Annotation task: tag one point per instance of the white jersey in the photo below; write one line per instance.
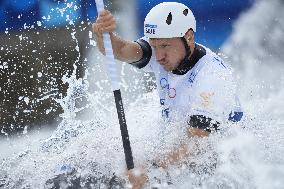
(207, 89)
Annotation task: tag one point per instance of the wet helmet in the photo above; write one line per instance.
(168, 20)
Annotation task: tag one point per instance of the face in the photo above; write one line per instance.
(169, 52)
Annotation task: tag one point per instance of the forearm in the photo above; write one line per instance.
(174, 157)
(200, 126)
(125, 51)
(179, 155)
(182, 152)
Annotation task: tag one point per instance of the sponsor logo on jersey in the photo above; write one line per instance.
(206, 98)
(162, 101)
(192, 77)
(165, 112)
(219, 60)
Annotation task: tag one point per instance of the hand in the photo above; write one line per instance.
(137, 177)
(104, 23)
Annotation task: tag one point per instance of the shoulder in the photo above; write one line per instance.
(214, 65)
(214, 72)
(147, 53)
(213, 60)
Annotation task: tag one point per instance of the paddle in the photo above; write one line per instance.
(117, 93)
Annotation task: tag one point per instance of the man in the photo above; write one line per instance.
(193, 82)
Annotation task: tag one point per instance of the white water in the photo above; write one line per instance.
(248, 155)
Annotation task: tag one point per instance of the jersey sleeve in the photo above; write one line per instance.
(214, 91)
(147, 61)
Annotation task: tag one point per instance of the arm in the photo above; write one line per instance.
(199, 126)
(138, 176)
(124, 50)
(181, 153)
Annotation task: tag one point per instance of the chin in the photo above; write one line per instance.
(168, 69)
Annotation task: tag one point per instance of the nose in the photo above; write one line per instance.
(160, 55)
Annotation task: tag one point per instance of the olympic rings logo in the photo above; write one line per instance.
(164, 83)
(171, 91)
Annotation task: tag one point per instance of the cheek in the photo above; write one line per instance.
(176, 55)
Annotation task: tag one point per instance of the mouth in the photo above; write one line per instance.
(163, 63)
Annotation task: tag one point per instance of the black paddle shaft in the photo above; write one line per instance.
(123, 129)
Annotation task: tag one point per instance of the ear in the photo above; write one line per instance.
(189, 35)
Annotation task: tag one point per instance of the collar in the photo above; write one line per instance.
(188, 63)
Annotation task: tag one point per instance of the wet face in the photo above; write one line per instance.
(169, 52)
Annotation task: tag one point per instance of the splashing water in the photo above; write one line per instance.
(244, 155)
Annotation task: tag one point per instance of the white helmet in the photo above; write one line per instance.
(168, 20)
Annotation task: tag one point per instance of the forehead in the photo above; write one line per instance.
(160, 41)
